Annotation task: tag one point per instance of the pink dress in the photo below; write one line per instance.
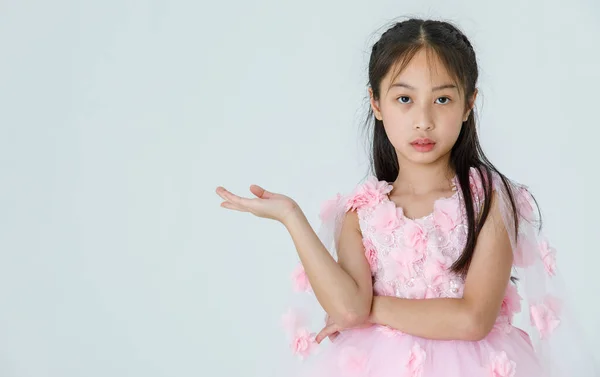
(410, 258)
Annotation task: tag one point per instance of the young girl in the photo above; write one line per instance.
(422, 267)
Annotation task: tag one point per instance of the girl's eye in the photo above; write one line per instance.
(402, 98)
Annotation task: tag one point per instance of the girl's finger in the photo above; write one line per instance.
(325, 332)
(232, 198)
(232, 206)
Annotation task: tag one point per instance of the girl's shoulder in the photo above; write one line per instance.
(513, 197)
(367, 193)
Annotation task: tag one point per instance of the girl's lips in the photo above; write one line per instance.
(423, 145)
(423, 141)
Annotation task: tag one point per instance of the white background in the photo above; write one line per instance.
(120, 118)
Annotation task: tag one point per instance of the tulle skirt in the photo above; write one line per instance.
(380, 351)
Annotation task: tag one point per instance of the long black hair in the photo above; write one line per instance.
(398, 45)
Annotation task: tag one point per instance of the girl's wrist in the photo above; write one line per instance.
(376, 308)
(293, 217)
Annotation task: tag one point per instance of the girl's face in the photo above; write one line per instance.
(422, 110)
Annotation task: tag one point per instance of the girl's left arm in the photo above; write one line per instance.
(468, 318)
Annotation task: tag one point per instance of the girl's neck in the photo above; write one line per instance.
(419, 179)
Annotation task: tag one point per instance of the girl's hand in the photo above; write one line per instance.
(327, 331)
(332, 330)
(266, 204)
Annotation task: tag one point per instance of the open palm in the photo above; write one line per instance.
(266, 204)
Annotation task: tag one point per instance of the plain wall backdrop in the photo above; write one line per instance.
(119, 119)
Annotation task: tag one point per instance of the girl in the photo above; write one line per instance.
(422, 267)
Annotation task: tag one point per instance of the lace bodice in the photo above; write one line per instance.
(411, 258)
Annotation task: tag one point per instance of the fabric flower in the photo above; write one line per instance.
(303, 343)
(300, 279)
(328, 208)
(502, 366)
(403, 259)
(415, 237)
(382, 288)
(416, 359)
(437, 264)
(370, 254)
(544, 316)
(387, 217)
(511, 303)
(352, 360)
(446, 214)
(436, 272)
(502, 325)
(548, 255)
(389, 331)
(368, 194)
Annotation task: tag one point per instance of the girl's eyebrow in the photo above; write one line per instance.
(404, 85)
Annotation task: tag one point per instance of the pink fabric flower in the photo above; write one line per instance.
(502, 325)
(548, 257)
(511, 303)
(446, 214)
(370, 254)
(300, 279)
(368, 194)
(389, 331)
(382, 288)
(328, 208)
(303, 343)
(352, 360)
(545, 316)
(387, 217)
(502, 366)
(437, 264)
(416, 359)
(436, 272)
(415, 237)
(403, 267)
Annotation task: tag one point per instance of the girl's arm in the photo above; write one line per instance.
(343, 288)
(470, 317)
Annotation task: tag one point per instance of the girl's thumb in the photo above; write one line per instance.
(260, 192)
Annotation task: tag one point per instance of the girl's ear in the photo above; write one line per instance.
(375, 105)
(471, 104)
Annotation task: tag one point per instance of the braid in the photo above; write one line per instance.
(459, 37)
(387, 35)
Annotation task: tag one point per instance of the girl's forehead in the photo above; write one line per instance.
(422, 72)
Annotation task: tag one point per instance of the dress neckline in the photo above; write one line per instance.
(454, 196)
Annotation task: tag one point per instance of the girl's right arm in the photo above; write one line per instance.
(343, 288)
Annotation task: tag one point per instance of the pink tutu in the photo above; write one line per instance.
(380, 351)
